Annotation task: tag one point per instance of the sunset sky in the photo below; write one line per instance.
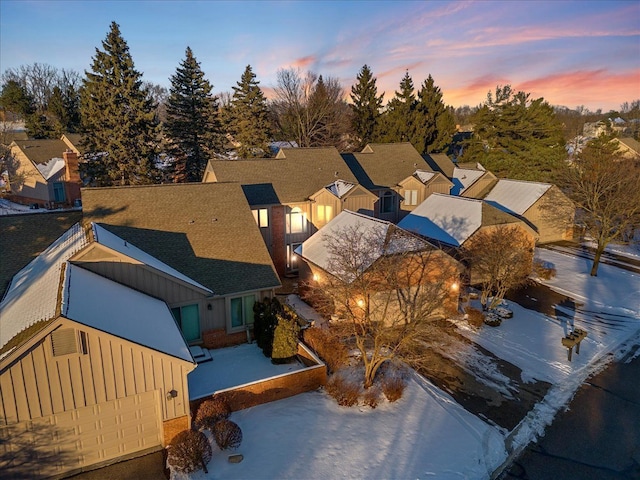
(571, 53)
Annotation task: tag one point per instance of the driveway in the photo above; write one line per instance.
(148, 467)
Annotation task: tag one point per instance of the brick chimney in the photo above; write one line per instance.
(72, 175)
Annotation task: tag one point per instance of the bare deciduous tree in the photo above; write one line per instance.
(310, 109)
(499, 259)
(386, 286)
(605, 188)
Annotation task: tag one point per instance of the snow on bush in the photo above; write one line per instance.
(227, 434)
(189, 451)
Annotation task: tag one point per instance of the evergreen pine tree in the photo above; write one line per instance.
(430, 116)
(64, 111)
(399, 119)
(366, 105)
(249, 117)
(516, 137)
(118, 118)
(192, 125)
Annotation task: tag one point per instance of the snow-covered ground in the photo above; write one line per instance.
(11, 208)
(427, 434)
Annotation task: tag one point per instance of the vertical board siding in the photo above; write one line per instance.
(39, 384)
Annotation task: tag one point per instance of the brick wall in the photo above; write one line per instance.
(174, 426)
(278, 244)
(219, 338)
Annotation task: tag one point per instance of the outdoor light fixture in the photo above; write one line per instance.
(360, 302)
(172, 394)
(455, 286)
(315, 277)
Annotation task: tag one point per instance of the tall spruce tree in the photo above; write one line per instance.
(366, 105)
(516, 137)
(249, 117)
(118, 118)
(434, 123)
(399, 119)
(192, 126)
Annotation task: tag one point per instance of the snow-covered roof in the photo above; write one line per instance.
(114, 242)
(463, 178)
(445, 218)
(100, 303)
(340, 188)
(377, 238)
(32, 295)
(516, 196)
(50, 168)
(423, 175)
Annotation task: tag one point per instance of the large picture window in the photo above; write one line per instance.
(188, 318)
(296, 221)
(410, 197)
(242, 311)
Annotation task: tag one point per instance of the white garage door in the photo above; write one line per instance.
(71, 440)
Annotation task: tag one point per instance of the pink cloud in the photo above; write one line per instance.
(303, 63)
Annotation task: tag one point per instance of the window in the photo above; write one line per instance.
(386, 202)
(262, 217)
(296, 221)
(58, 192)
(410, 197)
(325, 213)
(242, 311)
(188, 318)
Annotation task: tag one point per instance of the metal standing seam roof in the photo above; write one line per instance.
(516, 196)
(391, 240)
(291, 177)
(33, 293)
(110, 307)
(205, 231)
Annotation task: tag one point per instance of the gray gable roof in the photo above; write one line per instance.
(204, 230)
(291, 177)
(384, 165)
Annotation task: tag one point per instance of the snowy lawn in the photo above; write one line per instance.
(425, 434)
(232, 367)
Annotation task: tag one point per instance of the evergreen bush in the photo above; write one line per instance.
(189, 451)
(285, 339)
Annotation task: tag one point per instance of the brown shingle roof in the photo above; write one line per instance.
(440, 162)
(382, 165)
(204, 230)
(294, 175)
(41, 151)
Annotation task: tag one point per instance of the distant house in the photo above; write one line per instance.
(91, 370)
(46, 173)
(292, 195)
(397, 174)
(216, 262)
(628, 147)
(451, 222)
(375, 241)
(542, 205)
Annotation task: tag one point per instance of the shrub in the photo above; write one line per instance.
(544, 270)
(285, 339)
(474, 317)
(227, 434)
(344, 392)
(211, 411)
(371, 397)
(327, 346)
(189, 451)
(393, 386)
(265, 321)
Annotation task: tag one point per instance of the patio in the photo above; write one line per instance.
(234, 367)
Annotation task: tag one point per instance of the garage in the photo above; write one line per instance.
(77, 439)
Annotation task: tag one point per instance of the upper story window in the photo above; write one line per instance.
(325, 213)
(296, 221)
(410, 197)
(386, 202)
(262, 217)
